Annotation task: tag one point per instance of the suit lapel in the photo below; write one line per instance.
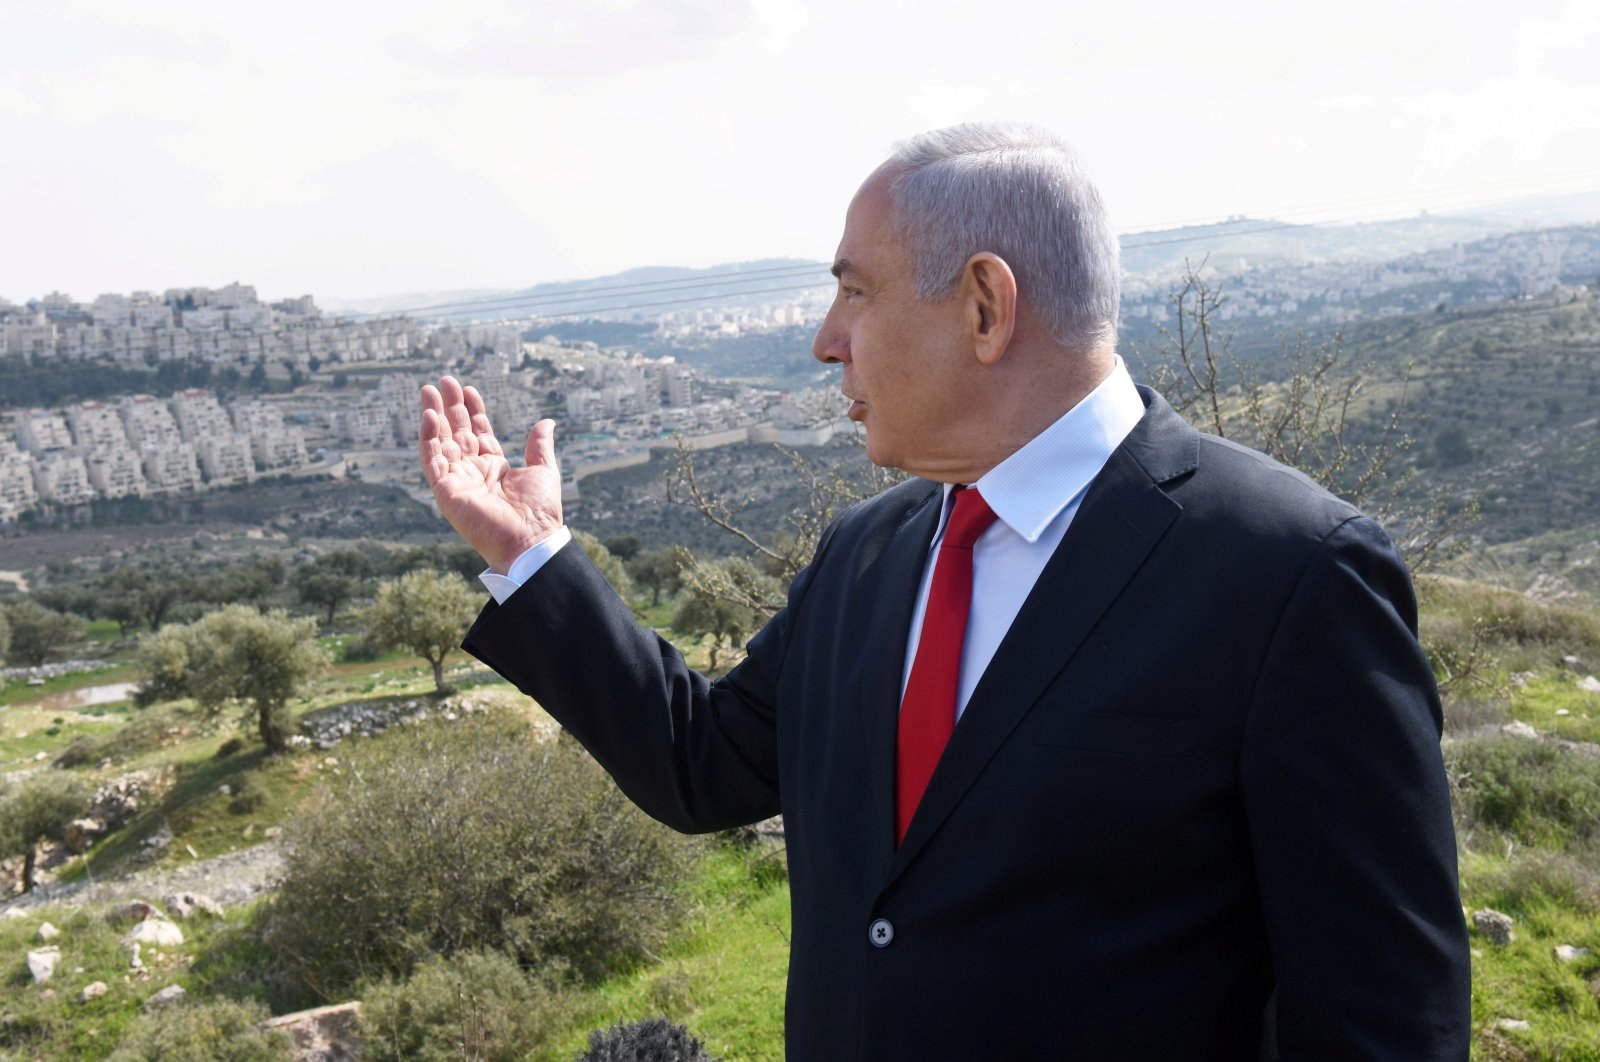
(1123, 516)
(894, 579)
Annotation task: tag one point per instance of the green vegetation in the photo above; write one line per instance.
(37, 810)
(424, 612)
(469, 836)
(473, 1005)
(236, 654)
(218, 1031)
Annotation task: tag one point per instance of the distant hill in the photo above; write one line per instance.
(1231, 245)
(651, 289)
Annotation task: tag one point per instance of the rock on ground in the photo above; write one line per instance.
(1494, 925)
(326, 1034)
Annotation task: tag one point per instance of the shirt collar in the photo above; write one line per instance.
(1030, 488)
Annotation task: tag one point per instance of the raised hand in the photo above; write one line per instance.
(500, 511)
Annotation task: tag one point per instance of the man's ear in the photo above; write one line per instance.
(990, 291)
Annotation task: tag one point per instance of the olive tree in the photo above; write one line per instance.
(725, 602)
(39, 633)
(237, 654)
(423, 612)
(39, 809)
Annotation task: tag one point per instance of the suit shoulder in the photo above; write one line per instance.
(1247, 481)
(888, 508)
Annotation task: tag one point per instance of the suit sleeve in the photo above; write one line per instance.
(1350, 818)
(694, 754)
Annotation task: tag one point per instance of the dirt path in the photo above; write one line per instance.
(229, 879)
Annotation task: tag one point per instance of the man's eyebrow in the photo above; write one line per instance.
(840, 267)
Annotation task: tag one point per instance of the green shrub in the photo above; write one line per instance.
(1452, 608)
(79, 751)
(653, 1040)
(473, 1006)
(217, 1031)
(469, 836)
(229, 747)
(1539, 792)
(1531, 875)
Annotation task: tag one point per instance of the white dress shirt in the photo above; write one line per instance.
(1035, 493)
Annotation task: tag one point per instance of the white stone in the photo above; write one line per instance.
(1512, 1023)
(1495, 926)
(1562, 711)
(1568, 953)
(169, 994)
(47, 933)
(93, 990)
(1589, 684)
(134, 961)
(157, 932)
(13, 912)
(184, 905)
(42, 963)
(1521, 730)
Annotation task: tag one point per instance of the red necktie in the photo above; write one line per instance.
(928, 710)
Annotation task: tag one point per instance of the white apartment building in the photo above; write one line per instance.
(278, 448)
(365, 425)
(39, 430)
(225, 459)
(199, 415)
(97, 427)
(116, 472)
(30, 336)
(62, 479)
(149, 423)
(170, 468)
(254, 417)
(17, 493)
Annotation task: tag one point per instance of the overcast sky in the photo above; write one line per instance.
(349, 149)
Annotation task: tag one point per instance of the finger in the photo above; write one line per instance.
(455, 412)
(430, 443)
(541, 448)
(478, 413)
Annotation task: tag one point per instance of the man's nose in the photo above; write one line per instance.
(832, 344)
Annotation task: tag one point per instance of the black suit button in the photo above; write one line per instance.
(881, 932)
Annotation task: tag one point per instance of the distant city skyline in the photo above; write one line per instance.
(363, 150)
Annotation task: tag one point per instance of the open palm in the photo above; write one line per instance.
(500, 511)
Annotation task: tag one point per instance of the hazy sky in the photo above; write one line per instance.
(348, 149)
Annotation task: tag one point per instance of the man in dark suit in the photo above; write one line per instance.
(1177, 772)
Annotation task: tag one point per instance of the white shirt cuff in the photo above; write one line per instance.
(523, 568)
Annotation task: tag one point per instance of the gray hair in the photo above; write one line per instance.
(1021, 193)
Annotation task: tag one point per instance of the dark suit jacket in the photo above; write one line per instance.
(1202, 767)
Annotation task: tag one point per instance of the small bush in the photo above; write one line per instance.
(247, 799)
(1539, 792)
(1570, 879)
(473, 1006)
(79, 751)
(653, 1040)
(1452, 608)
(469, 836)
(218, 1031)
(229, 747)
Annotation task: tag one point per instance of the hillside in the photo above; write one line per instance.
(1521, 730)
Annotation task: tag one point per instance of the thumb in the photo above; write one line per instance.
(541, 449)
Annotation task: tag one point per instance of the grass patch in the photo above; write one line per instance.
(1552, 703)
(17, 692)
(1524, 980)
(723, 975)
